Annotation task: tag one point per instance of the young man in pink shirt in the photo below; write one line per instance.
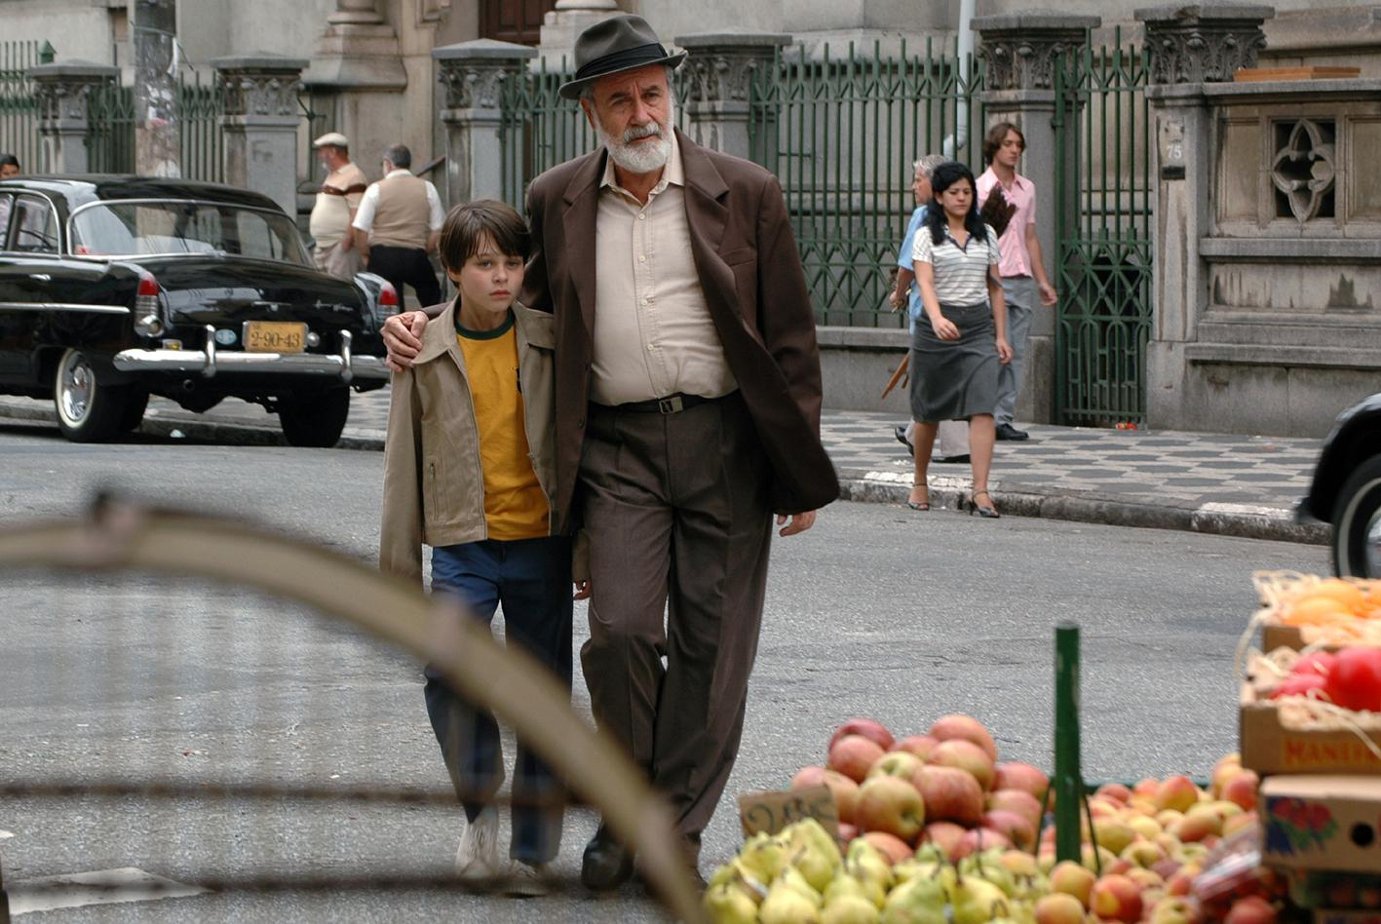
(1022, 267)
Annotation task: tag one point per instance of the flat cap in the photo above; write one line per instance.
(335, 139)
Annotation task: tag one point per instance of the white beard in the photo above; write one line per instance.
(640, 157)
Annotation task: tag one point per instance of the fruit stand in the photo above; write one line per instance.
(935, 827)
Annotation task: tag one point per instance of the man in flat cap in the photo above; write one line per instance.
(688, 411)
(335, 207)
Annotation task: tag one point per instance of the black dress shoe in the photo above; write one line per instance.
(1008, 432)
(607, 864)
(953, 460)
(900, 433)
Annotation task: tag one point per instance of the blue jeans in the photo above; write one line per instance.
(531, 580)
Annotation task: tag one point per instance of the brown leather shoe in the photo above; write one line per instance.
(607, 864)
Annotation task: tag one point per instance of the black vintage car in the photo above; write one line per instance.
(113, 288)
(1346, 490)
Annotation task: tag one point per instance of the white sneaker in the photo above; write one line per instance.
(478, 854)
(528, 880)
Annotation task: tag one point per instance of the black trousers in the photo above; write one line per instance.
(406, 265)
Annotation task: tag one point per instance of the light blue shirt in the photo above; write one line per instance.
(914, 308)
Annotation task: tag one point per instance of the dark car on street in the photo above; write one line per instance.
(1346, 490)
(115, 288)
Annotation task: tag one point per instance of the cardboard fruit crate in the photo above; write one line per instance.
(1269, 745)
(1321, 822)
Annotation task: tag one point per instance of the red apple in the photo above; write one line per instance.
(965, 727)
(920, 745)
(950, 794)
(891, 846)
(871, 729)
(1177, 793)
(1241, 787)
(1114, 897)
(890, 804)
(896, 763)
(964, 754)
(978, 839)
(1073, 878)
(844, 790)
(1253, 909)
(1017, 829)
(1015, 800)
(1059, 908)
(847, 832)
(944, 834)
(1017, 775)
(852, 755)
(1117, 792)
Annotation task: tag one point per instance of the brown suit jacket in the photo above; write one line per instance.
(751, 274)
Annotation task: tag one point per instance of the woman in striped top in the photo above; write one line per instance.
(955, 357)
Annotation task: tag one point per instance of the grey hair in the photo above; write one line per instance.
(926, 165)
(587, 92)
(398, 155)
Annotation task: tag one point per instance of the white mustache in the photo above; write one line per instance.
(650, 130)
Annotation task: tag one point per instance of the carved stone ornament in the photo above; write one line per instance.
(474, 84)
(1304, 169)
(723, 76)
(64, 91)
(1025, 61)
(261, 93)
(1203, 44)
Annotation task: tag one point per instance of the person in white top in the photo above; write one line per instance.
(336, 202)
(398, 224)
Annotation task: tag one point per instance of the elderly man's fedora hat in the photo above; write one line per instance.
(610, 46)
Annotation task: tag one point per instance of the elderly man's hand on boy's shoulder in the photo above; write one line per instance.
(402, 335)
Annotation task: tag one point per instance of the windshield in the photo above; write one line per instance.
(137, 228)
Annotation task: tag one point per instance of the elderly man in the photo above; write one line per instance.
(400, 217)
(336, 203)
(688, 403)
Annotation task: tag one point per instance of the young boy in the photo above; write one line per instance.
(469, 470)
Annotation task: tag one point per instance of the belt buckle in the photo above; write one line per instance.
(672, 405)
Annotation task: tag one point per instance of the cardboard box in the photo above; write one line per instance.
(1326, 822)
(1275, 636)
(1268, 747)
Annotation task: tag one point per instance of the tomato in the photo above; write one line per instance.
(1355, 680)
(1316, 662)
(1297, 685)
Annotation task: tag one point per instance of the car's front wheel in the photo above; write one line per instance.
(1357, 523)
(88, 412)
(315, 420)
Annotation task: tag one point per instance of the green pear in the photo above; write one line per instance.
(990, 870)
(977, 901)
(931, 852)
(867, 864)
(785, 905)
(814, 853)
(762, 857)
(793, 879)
(849, 909)
(729, 904)
(843, 884)
(918, 901)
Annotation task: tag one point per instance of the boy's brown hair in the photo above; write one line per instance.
(468, 226)
(992, 142)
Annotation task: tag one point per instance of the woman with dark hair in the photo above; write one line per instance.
(957, 355)
(9, 166)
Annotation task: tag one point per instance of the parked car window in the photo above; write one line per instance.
(35, 229)
(174, 227)
(6, 204)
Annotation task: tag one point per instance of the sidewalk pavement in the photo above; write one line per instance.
(1206, 482)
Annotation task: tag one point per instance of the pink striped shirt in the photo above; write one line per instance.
(1016, 261)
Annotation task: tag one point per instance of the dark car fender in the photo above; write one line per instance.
(1355, 437)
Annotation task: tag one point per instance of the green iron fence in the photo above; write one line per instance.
(1104, 202)
(841, 133)
(200, 105)
(19, 114)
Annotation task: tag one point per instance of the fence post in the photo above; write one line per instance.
(64, 100)
(261, 123)
(473, 74)
(1205, 44)
(1022, 52)
(723, 66)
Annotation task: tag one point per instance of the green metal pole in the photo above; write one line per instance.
(1069, 775)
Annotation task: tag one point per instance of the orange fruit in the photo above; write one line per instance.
(1345, 592)
(1314, 611)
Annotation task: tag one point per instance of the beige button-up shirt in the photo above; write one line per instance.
(653, 333)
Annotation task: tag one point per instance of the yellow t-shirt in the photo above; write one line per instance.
(514, 505)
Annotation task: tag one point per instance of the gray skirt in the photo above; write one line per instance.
(954, 379)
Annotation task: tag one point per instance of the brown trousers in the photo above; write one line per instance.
(678, 514)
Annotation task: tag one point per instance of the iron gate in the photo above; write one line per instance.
(1104, 196)
(19, 114)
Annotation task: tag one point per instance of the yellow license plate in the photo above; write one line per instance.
(275, 337)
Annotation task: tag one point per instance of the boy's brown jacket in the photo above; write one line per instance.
(433, 482)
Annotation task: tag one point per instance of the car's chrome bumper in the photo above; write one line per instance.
(210, 361)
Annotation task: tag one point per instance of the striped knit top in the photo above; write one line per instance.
(960, 272)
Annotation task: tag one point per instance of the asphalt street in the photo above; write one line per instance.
(878, 611)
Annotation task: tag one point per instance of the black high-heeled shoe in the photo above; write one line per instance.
(986, 511)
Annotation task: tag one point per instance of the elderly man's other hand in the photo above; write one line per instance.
(402, 335)
(800, 522)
